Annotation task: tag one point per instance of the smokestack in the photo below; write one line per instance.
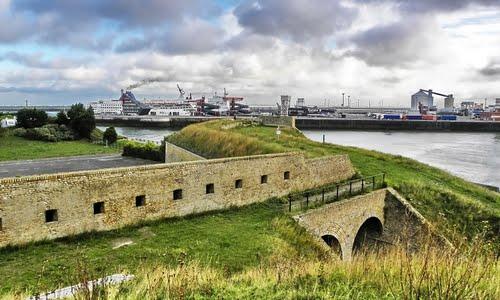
(122, 91)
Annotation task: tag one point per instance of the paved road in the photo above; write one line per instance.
(68, 164)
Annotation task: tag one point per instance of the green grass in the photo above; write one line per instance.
(230, 241)
(17, 148)
(451, 203)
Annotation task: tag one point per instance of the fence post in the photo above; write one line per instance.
(289, 203)
(337, 192)
(362, 185)
(323, 196)
(350, 188)
(373, 182)
(383, 178)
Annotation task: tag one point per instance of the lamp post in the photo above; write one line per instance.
(343, 99)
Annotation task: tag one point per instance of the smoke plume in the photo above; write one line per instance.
(145, 82)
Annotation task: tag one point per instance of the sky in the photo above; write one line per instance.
(376, 51)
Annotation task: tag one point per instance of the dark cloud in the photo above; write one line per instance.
(426, 6)
(397, 44)
(188, 37)
(492, 69)
(300, 20)
(126, 12)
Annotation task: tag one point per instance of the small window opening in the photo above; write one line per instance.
(1, 225)
(263, 179)
(210, 188)
(98, 208)
(178, 194)
(140, 200)
(51, 215)
(286, 175)
(238, 184)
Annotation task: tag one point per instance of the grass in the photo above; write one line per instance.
(18, 148)
(229, 241)
(451, 203)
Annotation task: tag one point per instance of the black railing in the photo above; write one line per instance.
(335, 192)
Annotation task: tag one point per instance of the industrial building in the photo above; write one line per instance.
(422, 97)
(285, 105)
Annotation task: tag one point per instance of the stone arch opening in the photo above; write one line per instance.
(333, 243)
(367, 235)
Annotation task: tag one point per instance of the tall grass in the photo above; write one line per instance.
(391, 274)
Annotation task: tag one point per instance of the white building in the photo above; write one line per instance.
(8, 122)
(114, 107)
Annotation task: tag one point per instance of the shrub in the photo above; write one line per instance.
(31, 118)
(148, 150)
(62, 118)
(110, 135)
(49, 133)
(82, 120)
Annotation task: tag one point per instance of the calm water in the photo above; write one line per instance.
(472, 156)
(149, 134)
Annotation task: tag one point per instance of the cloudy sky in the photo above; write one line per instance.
(63, 51)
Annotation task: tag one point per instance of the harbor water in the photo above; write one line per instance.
(472, 156)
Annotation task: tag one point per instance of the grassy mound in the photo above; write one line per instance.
(451, 203)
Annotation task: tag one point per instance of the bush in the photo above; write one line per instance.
(82, 120)
(110, 135)
(2, 132)
(148, 150)
(49, 133)
(31, 118)
(62, 118)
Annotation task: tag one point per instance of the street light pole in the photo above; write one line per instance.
(343, 99)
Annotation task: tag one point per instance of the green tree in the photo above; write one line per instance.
(82, 120)
(62, 118)
(31, 118)
(110, 135)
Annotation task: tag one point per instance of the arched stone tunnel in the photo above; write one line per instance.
(364, 222)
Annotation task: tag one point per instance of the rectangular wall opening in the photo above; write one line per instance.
(178, 194)
(140, 200)
(210, 189)
(51, 215)
(286, 175)
(238, 184)
(263, 179)
(98, 208)
(1, 225)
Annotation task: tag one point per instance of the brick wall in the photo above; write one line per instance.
(134, 194)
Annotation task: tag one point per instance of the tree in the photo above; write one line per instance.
(62, 118)
(31, 118)
(82, 120)
(110, 135)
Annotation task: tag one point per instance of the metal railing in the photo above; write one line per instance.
(335, 192)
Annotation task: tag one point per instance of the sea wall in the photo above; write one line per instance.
(50, 206)
(410, 125)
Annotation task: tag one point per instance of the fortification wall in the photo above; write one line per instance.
(175, 153)
(277, 121)
(50, 206)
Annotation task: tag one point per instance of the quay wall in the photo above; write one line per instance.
(42, 207)
(409, 125)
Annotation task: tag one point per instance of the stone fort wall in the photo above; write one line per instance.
(51, 206)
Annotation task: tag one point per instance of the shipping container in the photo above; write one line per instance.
(448, 117)
(392, 117)
(429, 117)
